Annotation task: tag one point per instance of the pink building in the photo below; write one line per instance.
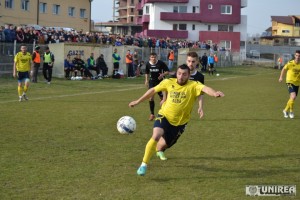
(213, 21)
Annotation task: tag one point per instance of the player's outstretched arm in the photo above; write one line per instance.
(145, 96)
(212, 92)
(282, 74)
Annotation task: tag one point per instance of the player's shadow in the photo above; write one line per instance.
(245, 119)
(222, 167)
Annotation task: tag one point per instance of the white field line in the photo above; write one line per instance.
(118, 90)
(78, 94)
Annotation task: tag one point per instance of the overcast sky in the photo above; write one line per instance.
(259, 12)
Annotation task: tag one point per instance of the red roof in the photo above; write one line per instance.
(283, 19)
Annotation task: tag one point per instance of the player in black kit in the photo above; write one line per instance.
(155, 72)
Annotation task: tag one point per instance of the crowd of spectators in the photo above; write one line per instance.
(45, 35)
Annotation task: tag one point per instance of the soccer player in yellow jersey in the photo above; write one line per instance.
(292, 70)
(175, 112)
(22, 68)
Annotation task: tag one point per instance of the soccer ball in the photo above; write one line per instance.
(217, 74)
(126, 125)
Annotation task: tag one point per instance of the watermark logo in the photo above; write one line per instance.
(271, 190)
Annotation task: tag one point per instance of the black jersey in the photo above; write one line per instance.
(195, 77)
(154, 70)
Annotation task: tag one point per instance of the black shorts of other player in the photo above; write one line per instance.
(153, 84)
(171, 133)
(292, 88)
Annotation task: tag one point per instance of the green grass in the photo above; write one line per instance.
(63, 142)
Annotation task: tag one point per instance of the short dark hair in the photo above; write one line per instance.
(153, 54)
(297, 51)
(192, 54)
(184, 67)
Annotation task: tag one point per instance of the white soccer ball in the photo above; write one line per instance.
(126, 125)
(217, 74)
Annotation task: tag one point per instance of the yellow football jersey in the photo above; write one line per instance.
(23, 62)
(180, 101)
(293, 73)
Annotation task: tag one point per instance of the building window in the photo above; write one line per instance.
(175, 27)
(71, 11)
(56, 9)
(226, 28)
(285, 31)
(82, 13)
(9, 3)
(180, 9)
(147, 10)
(210, 6)
(25, 5)
(226, 9)
(226, 44)
(182, 27)
(131, 19)
(43, 7)
(209, 27)
(193, 27)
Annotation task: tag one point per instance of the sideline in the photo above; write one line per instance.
(73, 95)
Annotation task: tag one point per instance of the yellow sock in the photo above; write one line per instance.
(150, 150)
(25, 88)
(20, 90)
(291, 104)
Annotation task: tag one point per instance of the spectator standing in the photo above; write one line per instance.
(48, 58)
(20, 35)
(135, 62)
(216, 59)
(129, 64)
(22, 67)
(10, 37)
(170, 60)
(36, 59)
(2, 38)
(204, 60)
(116, 61)
(279, 62)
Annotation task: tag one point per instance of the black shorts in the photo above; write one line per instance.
(22, 76)
(153, 84)
(171, 133)
(292, 88)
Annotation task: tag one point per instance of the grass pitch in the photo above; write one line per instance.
(63, 142)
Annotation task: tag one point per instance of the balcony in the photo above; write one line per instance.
(139, 6)
(166, 1)
(138, 21)
(145, 18)
(180, 16)
(244, 3)
(166, 33)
